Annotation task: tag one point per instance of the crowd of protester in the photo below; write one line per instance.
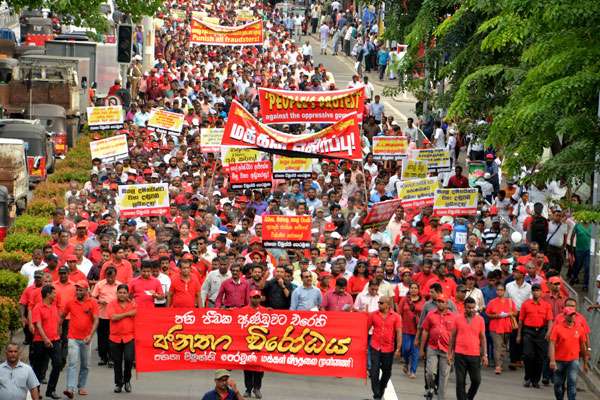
(449, 290)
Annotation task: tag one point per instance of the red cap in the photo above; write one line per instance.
(83, 224)
(133, 256)
(447, 227)
(71, 257)
(441, 297)
(489, 156)
(324, 274)
(329, 227)
(255, 292)
(187, 257)
(449, 256)
(554, 279)
(505, 261)
(521, 269)
(569, 311)
(405, 271)
(82, 284)
(242, 199)
(255, 240)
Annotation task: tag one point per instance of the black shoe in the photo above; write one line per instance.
(102, 363)
(257, 393)
(53, 395)
(527, 384)
(247, 394)
(536, 385)
(128, 387)
(44, 381)
(546, 382)
(110, 364)
(118, 389)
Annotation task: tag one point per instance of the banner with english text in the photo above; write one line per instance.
(259, 339)
(340, 140)
(203, 32)
(289, 106)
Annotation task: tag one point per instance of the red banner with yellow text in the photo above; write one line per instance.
(292, 342)
(286, 231)
(250, 34)
(288, 106)
(340, 140)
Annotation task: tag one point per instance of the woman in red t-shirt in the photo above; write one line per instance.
(410, 308)
(500, 310)
(358, 280)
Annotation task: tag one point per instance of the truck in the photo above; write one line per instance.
(104, 68)
(42, 79)
(13, 174)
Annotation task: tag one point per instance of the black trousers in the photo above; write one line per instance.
(535, 347)
(515, 349)
(103, 332)
(253, 380)
(122, 356)
(40, 355)
(464, 365)
(556, 257)
(64, 343)
(314, 22)
(380, 362)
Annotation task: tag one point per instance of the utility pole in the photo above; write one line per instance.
(595, 255)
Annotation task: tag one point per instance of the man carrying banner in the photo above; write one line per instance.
(253, 379)
(387, 328)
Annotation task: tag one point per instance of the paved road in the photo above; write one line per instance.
(192, 384)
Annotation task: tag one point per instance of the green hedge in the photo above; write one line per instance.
(42, 208)
(12, 284)
(26, 242)
(13, 260)
(70, 174)
(10, 319)
(28, 224)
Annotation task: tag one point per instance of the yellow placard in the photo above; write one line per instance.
(179, 15)
(143, 200)
(244, 15)
(417, 192)
(291, 167)
(166, 121)
(210, 139)
(437, 159)
(234, 155)
(455, 201)
(110, 149)
(106, 117)
(413, 169)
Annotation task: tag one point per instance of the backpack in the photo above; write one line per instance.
(538, 231)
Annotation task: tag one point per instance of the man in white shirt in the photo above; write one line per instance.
(518, 290)
(439, 138)
(165, 283)
(307, 51)
(83, 263)
(369, 89)
(212, 283)
(368, 301)
(37, 263)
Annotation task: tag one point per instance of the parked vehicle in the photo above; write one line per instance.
(38, 30)
(38, 148)
(13, 174)
(54, 119)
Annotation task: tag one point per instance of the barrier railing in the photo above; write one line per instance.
(593, 319)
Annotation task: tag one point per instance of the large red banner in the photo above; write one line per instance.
(292, 342)
(288, 106)
(251, 175)
(250, 34)
(286, 231)
(340, 140)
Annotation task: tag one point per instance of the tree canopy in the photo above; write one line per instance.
(87, 12)
(531, 68)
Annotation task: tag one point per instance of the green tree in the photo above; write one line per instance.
(87, 12)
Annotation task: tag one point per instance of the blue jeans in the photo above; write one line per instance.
(566, 371)
(582, 260)
(79, 353)
(410, 353)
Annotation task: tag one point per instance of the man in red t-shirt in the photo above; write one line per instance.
(84, 321)
(387, 327)
(185, 289)
(567, 345)
(436, 331)
(468, 350)
(46, 344)
(145, 288)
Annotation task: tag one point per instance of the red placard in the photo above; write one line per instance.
(340, 140)
(381, 213)
(287, 106)
(287, 231)
(251, 175)
(292, 342)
